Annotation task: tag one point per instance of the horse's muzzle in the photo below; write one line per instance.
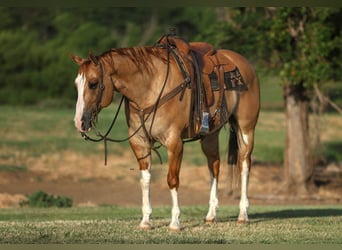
(86, 120)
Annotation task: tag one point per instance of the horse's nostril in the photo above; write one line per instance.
(86, 125)
(83, 126)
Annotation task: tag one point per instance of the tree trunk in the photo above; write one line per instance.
(298, 166)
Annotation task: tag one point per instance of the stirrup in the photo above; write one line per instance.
(205, 123)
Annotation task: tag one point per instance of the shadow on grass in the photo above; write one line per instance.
(288, 214)
(298, 213)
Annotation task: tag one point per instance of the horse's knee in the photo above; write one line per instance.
(172, 181)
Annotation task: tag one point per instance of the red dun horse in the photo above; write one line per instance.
(157, 85)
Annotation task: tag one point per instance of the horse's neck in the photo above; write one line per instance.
(135, 81)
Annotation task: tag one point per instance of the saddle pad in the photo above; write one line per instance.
(233, 80)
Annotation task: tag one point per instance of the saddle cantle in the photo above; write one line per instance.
(214, 72)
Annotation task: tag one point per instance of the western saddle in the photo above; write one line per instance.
(213, 72)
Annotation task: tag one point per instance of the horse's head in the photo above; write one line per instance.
(94, 89)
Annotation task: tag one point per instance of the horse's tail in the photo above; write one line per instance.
(233, 170)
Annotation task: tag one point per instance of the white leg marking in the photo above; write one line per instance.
(213, 200)
(146, 203)
(80, 82)
(245, 138)
(175, 225)
(244, 203)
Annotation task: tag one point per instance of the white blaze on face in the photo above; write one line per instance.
(80, 82)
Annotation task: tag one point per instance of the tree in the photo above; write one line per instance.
(304, 45)
(35, 43)
(305, 42)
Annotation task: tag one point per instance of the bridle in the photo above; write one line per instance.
(100, 136)
(105, 137)
(101, 87)
(144, 113)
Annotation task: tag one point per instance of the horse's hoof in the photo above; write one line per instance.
(242, 221)
(145, 226)
(210, 221)
(174, 228)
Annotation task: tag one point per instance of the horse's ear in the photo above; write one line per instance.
(93, 58)
(76, 59)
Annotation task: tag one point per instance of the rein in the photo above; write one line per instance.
(104, 137)
(149, 110)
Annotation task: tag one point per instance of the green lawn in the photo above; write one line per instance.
(268, 224)
(38, 130)
(271, 93)
(34, 131)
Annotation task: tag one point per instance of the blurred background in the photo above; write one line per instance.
(296, 53)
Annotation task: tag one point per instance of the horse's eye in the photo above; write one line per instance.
(93, 85)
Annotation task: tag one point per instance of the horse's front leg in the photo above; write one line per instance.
(142, 152)
(210, 147)
(145, 180)
(175, 154)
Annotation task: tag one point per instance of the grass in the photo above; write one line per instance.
(12, 168)
(271, 93)
(32, 132)
(39, 130)
(35, 131)
(268, 224)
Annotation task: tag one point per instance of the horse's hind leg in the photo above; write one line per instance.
(245, 141)
(210, 147)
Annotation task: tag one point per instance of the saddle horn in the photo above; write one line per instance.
(93, 58)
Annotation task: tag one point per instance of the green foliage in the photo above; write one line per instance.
(41, 199)
(306, 44)
(35, 42)
(239, 29)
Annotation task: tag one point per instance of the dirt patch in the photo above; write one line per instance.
(11, 200)
(88, 182)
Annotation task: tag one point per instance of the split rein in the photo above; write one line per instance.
(152, 109)
(104, 137)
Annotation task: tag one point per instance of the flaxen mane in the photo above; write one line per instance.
(140, 56)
